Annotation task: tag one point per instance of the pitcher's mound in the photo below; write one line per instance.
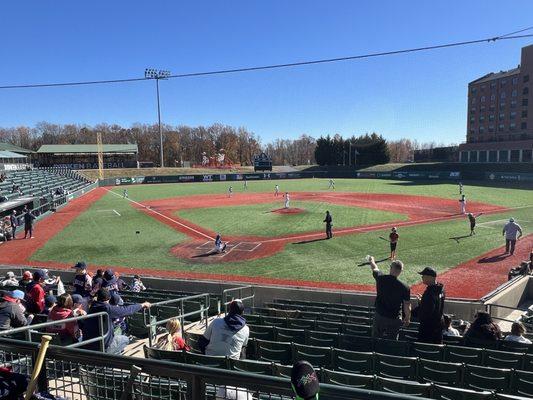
(289, 210)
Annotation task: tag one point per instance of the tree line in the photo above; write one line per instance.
(185, 143)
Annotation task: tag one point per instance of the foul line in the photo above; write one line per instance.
(116, 212)
(163, 215)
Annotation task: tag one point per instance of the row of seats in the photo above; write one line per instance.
(413, 375)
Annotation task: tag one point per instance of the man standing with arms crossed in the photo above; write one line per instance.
(430, 308)
(393, 298)
(512, 232)
(329, 223)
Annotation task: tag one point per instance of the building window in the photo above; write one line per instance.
(473, 156)
(482, 108)
(525, 102)
(491, 128)
(492, 107)
(482, 99)
(514, 93)
(524, 113)
(472, 119)
(501, 117)
(491, 117)
(515, 80)
(504, 155)
(512, 126)
(481, 129)
(512, 115)
(472, 111)
(515, 155)
(493, 155)
(513, 103)
(501, 127)
(481, 118)
(473, 91)
(483, 87)
(483, 156)
(472, 131)
(493, 97)
(503, 82)
(502, 105)
(523, 125)
(473, 100)
(526, 155)
(526, 78)
(525, 91)
(502, 95)
(493, 84)
(464, 156)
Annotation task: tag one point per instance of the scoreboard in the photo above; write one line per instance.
(262, 162)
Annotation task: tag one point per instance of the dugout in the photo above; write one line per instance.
(85, 156)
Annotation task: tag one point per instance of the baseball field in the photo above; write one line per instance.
(168, 230)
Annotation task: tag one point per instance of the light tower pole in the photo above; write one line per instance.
(151, 73)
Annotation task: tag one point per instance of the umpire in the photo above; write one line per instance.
(329, 223)
(430, 308)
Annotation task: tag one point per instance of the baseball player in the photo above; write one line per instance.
(220, 246)
(125, 194)
(230, 191)
(329, 223)
(331, 184)
(287, 200)
(460, 187)
(393, 238)
(462, 203)
(276, 190)
(245, 185)
(472, 219)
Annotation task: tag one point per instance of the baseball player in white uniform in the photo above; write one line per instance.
(287, 200)
(331, 184)
(230, 191)
(462, 203)
(276, 190)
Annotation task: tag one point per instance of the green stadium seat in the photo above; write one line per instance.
(291, 335)
(353, 361)
(501, 396)
(485, 378)
(308, 315)
(275, 321)
(207, 361)
(395, 366)
(483, 344)
(402, 387)
(158, 354)
(356, 343)
(467, 355)
(317, 356)
(409, 335)
(254, 319)
(301, 324)
(103, 383)
(442, 373)
(517, 347)
(251, 366)
(392, 347)
(262, 332)
(452, 393)
(331, 317)
(283, 371)
(192, 342)
(427, 351)
(502, 359)
(322, 339)
(326, 326)
(347, 379)
(522, 383)
(527, 362)
(278, 352)
(353, 319)
(357, 329)
(453, 340)
(160, 388)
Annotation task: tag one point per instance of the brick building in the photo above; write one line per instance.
(500, 115)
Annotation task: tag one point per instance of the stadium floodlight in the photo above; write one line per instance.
(157, 74)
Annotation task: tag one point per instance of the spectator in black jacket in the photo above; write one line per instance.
(114, 344)
(28, 222)
(11, 314)
(483, 328)
(430, 308)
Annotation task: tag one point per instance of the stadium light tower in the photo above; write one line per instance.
(151, 73)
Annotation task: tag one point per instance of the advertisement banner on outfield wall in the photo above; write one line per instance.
(509, 177)
(411, 175)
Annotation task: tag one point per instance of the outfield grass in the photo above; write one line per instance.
(259, 220)
(99, 236)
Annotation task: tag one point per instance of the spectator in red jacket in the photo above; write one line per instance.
(68, 332)
(35, 293)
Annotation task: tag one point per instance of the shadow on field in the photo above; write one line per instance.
(492, 259)
(310, 241)
(458, 238)
(377, 262)
(211, 253)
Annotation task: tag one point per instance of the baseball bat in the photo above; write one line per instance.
(382, 238)
(45, 341)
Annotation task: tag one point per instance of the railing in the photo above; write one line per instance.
(152, 323)
(28, 330)
(229, 295)
(82, 374)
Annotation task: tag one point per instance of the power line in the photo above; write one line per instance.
(508, 36)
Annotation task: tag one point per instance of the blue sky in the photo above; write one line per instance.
(421, 96)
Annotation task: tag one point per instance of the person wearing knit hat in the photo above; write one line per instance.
(304, 381)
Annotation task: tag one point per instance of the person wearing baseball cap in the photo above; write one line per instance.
(82, 282)
(304, 381)
(26, 279)
(9, 280)
(35, 292)
(430, 308)
(11, 312)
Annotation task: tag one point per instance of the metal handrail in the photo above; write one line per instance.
(27, 330)
(203, 311)
(228, 293)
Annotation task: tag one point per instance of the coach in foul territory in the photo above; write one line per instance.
(329, 223)
(393, 297)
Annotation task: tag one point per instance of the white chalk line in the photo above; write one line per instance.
(116, 212)
(164, 216)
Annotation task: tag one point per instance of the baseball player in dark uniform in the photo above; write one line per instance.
(329, 223)
(28, 222)
(472, 219)
(393, 239)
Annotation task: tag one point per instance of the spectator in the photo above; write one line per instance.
(26, 280)
(393, 297)
(82, 282)
(523, 269)
(430, 308)
(98, 279)
(29, 217)
(110, 281)
(517, 333)
(121, 284)
(35, 292)
(11, 314)
(304, 381)
(50, 302)
(13, 220)
(512, 232)
(483, 328)
(448, 329)
(68, 332)
(77, 305)
(114, 344)
(173, 340)
(10, 280)
(226, 336)
(137, 285)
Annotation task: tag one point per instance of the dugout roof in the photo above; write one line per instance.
(14, 149)
(87, 149)
(10, 154)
